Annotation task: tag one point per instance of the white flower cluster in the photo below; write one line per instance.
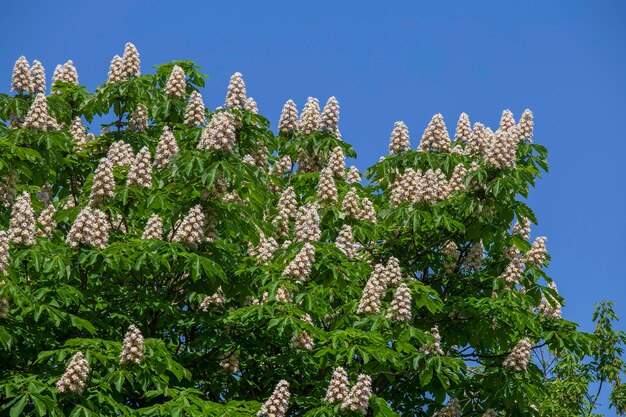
(300, 266)
(5, 256)
(457, 180)
(373, 291)
(337, 162)
(288, 122)
(326, 188)
(46, 221)
(368, 212)
(463, 129)
(251, 106)
(476, 143)
(338, 387)
(435, 347)
(195, 112)
(537, 254)
(116, 70)
(353, 176)
(91, 228)
(131, 65)
(490, 413)
(287, 207)
(103, 184)
(139, 119)
(519, 357)
(417, 187)
(4, 306)
(140, 173)
(65, 73)
(154, 228)
(351, 204)
(399, 141)
(522, 228)
(190, 229)
(451, 409)
(525, 127)
(37, 117)
(435, 137)
(75, 377)
(345, 242)
(217, 299)
(78, 132)
(22, 225)
(176, 85)
(307, 226)
(330, 116)
(474, 258)
(120, 153)
(500, 148)
(229, 362)
(281, 165)
(37, 78)
(21, 81)
(302, 340)
(506, 121)
(220, 133)
(236, 93)
(359, 396)
(166, 148)
(401, 305)
(132, 347)
(550, 308)
(310, 119)
(513, 271)
(265, 249)
(277, 404)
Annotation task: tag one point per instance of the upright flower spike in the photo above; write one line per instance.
(500, 148)
(519, 357)
(277, 404)
(337, 162)
(37, 78)
(120, 153)
(4, 252)
(359, 396)
(229, 362)
(46, 221)
(70, 75)
(300, 266)
(401, 305)
(307, 227)
(522, 228)
(190, 230)
(288, 122)
(550, 308)
(373, 292)
(506, 121)
(474, 258)
(399, 141)
(326, 188)
(338, 387)
(176, 86)
(91, 227)
(350, 204)
(436, 137)
(103, 184)
(457, 180)
(463, 129)
(220, 134)
(140, 173)
(195, 113)
(345, 241)
(476, 144)
(37, 117)
(75, 377)
(251, 106)
(526, 126)
(217, 299)
(22, 225)
(131, 65)
(353, 176)
(435, 347)
(116, 70)
(132, 347)
(154, 228)
(78, 132)
(368, 212)
(236, 93)
(393, 272)
(537, 254)
(139, 119)
(330, 116)
(310, 117)
(302, 340)
(21, 81)
(166, 148)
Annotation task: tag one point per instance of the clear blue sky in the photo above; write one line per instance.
(388, 61)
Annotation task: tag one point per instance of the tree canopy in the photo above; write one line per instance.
(178, 261)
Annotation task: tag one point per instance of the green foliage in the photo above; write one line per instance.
(62, 300)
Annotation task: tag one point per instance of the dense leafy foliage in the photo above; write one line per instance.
(222, 324)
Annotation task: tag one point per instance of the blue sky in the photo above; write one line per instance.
(565, 60)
